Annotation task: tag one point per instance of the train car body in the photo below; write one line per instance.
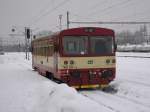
(81, 57)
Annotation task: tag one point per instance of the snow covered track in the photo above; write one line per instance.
(116, 103)
(134, 101)
(101, 103)
(137, 83)
(132, 85)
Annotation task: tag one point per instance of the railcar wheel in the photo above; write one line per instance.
(34, 68)
(49, 75)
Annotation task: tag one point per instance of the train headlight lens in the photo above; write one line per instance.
(107, 61)
(75, 74)
(113, 61)
(66, 62)
(107, 74)
(90, 72)
(94, 73)
(71, 62)
(99, 73)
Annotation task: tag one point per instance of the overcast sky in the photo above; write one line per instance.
(44, 14)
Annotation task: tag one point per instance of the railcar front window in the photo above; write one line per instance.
(101, 45)
(76, 45)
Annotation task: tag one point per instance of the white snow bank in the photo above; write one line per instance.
(134, 48)
(62, 98)
(24, 90)
(133, 54)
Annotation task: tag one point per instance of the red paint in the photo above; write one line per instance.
(84, 77)
(56, 40)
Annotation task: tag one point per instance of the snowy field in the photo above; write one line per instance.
(132, 84)
(23, 90)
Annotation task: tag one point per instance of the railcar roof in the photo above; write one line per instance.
(71, 29)
(46, 37)
(88, 27)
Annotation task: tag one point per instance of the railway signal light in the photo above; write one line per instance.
(34, 36)
(28, 33)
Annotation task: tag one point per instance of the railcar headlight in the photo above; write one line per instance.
(108, 61)
(71, 62)
(90, 72)
(99, 73)
(94, 73)
(113, 61)
(66, 62)
(107, 74)
(76, 74)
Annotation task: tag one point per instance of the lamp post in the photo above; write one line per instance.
(60, 25)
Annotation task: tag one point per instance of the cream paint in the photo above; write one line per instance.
(49, 63)
(82, 62)
(79, 62)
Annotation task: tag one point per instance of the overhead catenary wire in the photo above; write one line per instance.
(43, 13)
(132, 15)
(108, 13)
(93, 7)
(49, 12)
(110, 7)
(90, 15)
(98, 4)
(110, 22)
(45, 7)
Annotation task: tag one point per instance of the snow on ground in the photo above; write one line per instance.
(23, 90)
(133, 54)
(132, 84)
(145, 47)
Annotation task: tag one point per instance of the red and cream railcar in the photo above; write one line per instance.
(81, 57)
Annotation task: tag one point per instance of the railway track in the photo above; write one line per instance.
(116, 102)
(122, 96)
(136, 82)
(102, 104)
(133, 100)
